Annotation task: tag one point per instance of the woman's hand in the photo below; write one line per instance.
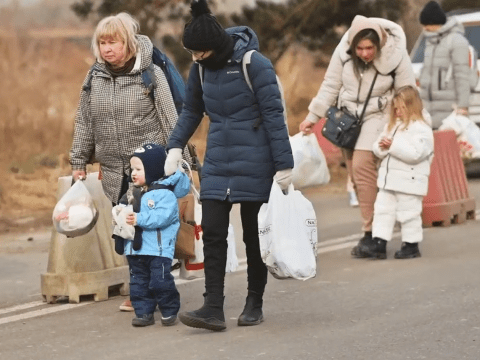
(306, 126)
(79, 174)
(131, 219)
(173, 161)
(385, 143)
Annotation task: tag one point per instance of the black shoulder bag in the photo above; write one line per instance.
(343, 128)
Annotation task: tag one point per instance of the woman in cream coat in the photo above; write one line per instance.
(370, 45)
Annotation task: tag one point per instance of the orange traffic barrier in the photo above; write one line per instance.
(333, 154)
(447, 201)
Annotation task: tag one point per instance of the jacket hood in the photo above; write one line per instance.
(143, 56)
(180, 182)
(452, 25)
(427, 117)
(245, 40)
(392, 41)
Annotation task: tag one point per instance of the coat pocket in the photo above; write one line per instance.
(443, 78)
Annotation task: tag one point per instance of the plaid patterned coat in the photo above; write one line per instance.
(116, 116)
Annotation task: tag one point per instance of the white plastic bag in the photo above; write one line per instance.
(232, 260)
(122, 229)
(287, 228)
(468, 134)
(75, 213)
(310, 166)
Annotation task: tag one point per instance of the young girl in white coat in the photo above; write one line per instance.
(406, 149)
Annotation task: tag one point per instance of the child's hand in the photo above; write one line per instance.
(131, 219)
(385, 143)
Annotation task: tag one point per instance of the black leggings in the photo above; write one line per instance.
(215, 221)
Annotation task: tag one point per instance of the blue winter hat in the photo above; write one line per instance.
(153, 158)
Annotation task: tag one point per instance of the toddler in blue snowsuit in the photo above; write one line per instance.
(156, 220)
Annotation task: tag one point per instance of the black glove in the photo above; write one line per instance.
(119, 244)
(137, 239)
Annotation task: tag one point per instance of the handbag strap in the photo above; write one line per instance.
(368, 97)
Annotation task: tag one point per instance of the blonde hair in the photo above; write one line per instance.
(408, 98)
(122, 26)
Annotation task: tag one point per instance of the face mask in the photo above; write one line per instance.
(212, 62)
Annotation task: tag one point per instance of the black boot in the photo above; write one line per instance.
(408, 251)
(210, 316)
(376, 249)
(252, 312)
(366, 239)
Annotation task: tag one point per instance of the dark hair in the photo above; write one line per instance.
(365, 34)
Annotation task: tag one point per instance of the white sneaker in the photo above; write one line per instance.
(353, 199)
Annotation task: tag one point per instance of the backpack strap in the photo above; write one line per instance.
(88, 83)
(201, 73)
(148, 78)
(247, 59)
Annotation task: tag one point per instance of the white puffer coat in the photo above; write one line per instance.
(406, 165)
(341, 83)
(446, 47)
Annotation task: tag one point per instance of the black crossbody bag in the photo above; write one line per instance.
(342, 128)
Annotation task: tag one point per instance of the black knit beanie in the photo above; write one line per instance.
(203, 32)
(432, 14)
(153, 158)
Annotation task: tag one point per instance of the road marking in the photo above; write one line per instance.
(21, 307)
(322, 248)
(41, 312)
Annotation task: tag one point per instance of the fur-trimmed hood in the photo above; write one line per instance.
(392, 40)
(452, 25)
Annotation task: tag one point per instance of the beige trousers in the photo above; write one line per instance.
(362, 165)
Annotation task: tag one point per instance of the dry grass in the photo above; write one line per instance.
(41, 81)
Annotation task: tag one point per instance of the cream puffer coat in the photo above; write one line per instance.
(405, 167)
(342, 87)
(444, 48)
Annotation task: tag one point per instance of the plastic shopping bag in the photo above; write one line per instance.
(75, 213)
(287, 228)
(121, 228)
(468, 134)
(310, 166)
(232, 260)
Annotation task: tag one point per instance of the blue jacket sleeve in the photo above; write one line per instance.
(192, 112)
(264, 83)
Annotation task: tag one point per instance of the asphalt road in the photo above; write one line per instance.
(424, 308)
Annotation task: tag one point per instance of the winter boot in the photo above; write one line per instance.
(210, 316)
(252, 312)
(366, 239)
(408, 251)
(376, 249)
(145, 320)
(169, 321)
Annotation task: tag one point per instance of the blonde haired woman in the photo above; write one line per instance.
(116, 113)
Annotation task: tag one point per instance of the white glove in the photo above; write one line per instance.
(173, 161)
(284, 178)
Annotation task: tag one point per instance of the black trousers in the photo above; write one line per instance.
(215, 220)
